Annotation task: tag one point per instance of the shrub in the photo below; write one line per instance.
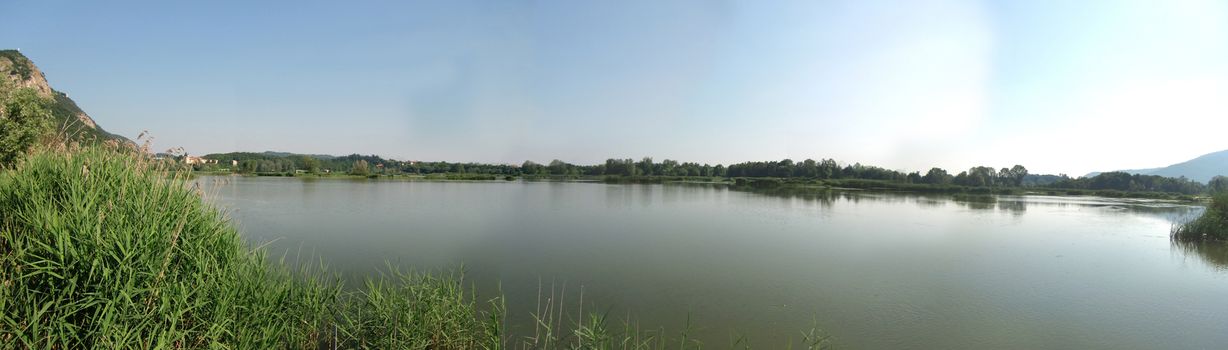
(1211, 226)
(25, 117)
(99, 250)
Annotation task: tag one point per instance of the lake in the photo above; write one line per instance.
(873, 270)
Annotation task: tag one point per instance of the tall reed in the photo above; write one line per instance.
(1211, 226)
(100, 248)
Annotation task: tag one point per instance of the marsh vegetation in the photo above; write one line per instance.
(1212, 225)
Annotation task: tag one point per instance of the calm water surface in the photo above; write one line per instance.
(876, 271)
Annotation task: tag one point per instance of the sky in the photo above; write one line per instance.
(1057, 86)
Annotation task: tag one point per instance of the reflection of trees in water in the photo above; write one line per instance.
(1014, 205)
(975, 202)
(1214, 253)
(929, 202)
(820, 195)
(823, 197)
(1172, 213)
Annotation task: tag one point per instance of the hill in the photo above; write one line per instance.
(263, 156)
(17, 71)
(288, 154)
(1200, 169)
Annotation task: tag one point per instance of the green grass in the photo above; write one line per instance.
(1211, 226)
(107, 249)
(102, 249)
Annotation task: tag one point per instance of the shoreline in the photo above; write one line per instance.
(761, 185)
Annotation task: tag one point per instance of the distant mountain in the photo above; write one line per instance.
(263, 155)
(17, 71)
(1200, 169)
(288, 154)
(1042, 180)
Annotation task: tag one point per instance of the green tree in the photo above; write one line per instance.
(809, 168)
(25, 117)
(531, 168)
(961, 179)
(558, 167)
(980, 176)
(248, 166)
(828, 168)
(668, 167)
(645, 167)
(914, 177)
(360, 168)
(784, 168)
(308, 163)
(1018, 172)
(937, 176)
(1218, 184)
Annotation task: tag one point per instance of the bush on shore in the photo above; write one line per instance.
(101, 249)
(1211, 226)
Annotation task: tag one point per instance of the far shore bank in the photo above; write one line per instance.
(749, 184)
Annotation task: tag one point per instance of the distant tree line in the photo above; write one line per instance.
(825, 169)
(980, 176)
(647, 167)
(1121, 181)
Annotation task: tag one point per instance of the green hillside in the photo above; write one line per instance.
(1201, 169)
(18, 72)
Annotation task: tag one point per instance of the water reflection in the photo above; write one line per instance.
(822, 196)
(1008, 204)
(1215, 254)
(1013, 207)
(931, 202)
(877, 270)
(976, 201)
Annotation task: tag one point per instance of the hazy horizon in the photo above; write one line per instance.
(1059, 87)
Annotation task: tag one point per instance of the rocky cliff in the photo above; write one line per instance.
(17, 71)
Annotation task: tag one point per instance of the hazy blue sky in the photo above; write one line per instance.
(1058, 86)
